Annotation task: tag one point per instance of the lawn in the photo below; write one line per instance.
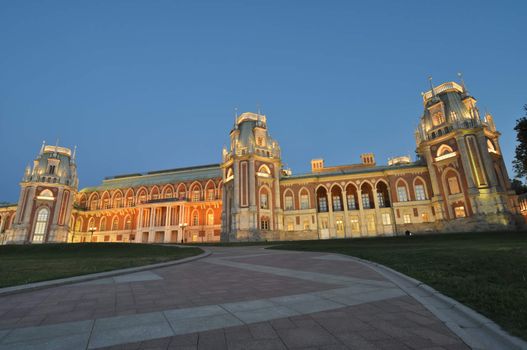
(20, 264)
(486, 271)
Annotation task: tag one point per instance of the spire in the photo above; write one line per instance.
(465, 91)
(57, 146)
(42, 148)
(431, 86)
(74, 152)
(235, 117)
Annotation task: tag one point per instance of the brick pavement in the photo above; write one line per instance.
(250, 298)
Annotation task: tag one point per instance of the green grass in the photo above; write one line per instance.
(486, 271)
(21, 264)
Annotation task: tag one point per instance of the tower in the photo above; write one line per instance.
(251, 171)
(47, 193)
(463, 155)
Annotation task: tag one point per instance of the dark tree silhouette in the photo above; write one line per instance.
(520, 160)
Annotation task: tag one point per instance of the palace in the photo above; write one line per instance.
(459, 182)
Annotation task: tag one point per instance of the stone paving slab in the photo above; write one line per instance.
(241, 298)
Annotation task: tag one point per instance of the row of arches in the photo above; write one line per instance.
(336, 197)
(105, 223)
(119, 198)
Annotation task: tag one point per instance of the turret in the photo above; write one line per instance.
(462, 152)
(46, 197)
(251, 171)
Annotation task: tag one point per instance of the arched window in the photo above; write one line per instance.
(94, 201)
(102, 225)
(322, 198)
(91, 225)
(444, 149)
(117, 200)
(46, 195)
(154, 193)
(367, 196)
(195, 218)
(210, 217)
(264, 199)
(453, 183)
(289, 201)
(209, 191)
(106, 200)
(115, 223)
(351, 197)
(336, 198)
(168, 192)
(78, 224)
(264, 171)
(141, 196)
(127, 223)
(402, 191)
(304, 199)
(382, 195)
(41, 225)
(195, 191)
(419, 189)
(129, 198)
(181, 191)
(438, 118)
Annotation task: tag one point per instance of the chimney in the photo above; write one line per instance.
(368, 159)
(317, 165)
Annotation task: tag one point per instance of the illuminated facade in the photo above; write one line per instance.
(459, 182)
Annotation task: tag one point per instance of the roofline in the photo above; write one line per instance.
(364, 171)
(196, 167)
(7, 205)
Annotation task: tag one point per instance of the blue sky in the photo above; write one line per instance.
(149, 85)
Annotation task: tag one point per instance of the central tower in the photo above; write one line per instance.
(251, 172)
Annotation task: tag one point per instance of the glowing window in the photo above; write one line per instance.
(459, 212)
(354, 222)
(195, 218)
(366, 201)
(304, 201)
(402, 195)
(337, 204)
(322, 204)
(386, 219)
(407, 218)
(420, 193)
(210, 218)
(103, 224)
(340, 225)
(288, 203)
(264, 224)
(41, 225)
(195, 196)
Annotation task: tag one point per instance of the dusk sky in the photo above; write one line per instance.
(148, 85)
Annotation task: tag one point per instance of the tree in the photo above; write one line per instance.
(520, 160)
(518, 186)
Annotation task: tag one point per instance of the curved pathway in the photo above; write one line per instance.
(237, 298)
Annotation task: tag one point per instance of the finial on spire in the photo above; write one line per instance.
(460, 75)
(431, 86)
(74, 152)
(235, 116)
(57, 145)
(43, 145)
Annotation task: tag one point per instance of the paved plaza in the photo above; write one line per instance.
(236, 298)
